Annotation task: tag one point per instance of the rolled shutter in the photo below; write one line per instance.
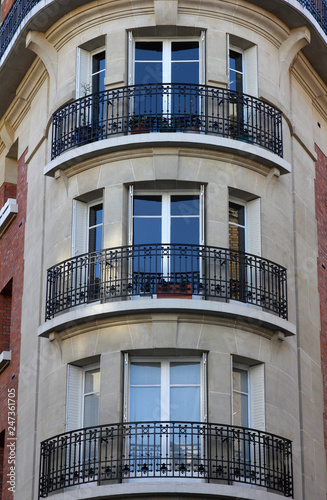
(79, 228)
(257, 395)
(74, 398)
(83, 73)
(253, 227)
(251, 71)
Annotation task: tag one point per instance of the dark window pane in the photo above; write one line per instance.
(185, 72)
(148, 72)
(95, 239)
(96, 215)
(98, 62)
(147, 205)
(185, 205)
(185, 230)
(147, 231)
(148, 51)
(181, 51)
(236, 213)
(235, 61)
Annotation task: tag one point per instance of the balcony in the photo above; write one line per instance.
(139, 109)
(166, 271)
(166, 450)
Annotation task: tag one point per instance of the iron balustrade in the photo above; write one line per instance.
(167, 108)
(208, 451)
(172, 270)
(20, 9)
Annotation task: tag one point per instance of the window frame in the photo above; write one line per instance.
(202, 360)
(80, 219)
(166, 217)
(75, 395)
(84, 70)
(256, 392)
(166, 61)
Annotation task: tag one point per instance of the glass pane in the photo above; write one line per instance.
(145, 373)
(186, 72)
(235, 61)
(147, 230)
(92, 381)
(148, 51)
(240, 410)
(184, 373)
(236, 213)
(98, 62)
(95, 239)
(185, 404)
(185, 230)
(91, 410)
(145, 404)
(96, 215)
(184, 51)
(185, 205)
(240, 380)
(147, 205)
(147, 73)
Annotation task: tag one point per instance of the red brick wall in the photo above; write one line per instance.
(321, 215)
(7, 190)
(12, 273)
(5, 7)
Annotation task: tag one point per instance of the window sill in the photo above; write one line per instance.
(7, 213)
(5, 358)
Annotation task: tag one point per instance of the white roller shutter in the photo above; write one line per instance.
(74, 398)
(251, 71)
(253, 227)
(257, 397)
(83, 73)
(79, 228)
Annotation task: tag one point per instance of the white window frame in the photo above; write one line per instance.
(166, 216)
(165, 393)
(249, 66)
(75, 395)
(166, 61)
(239, 51)
(252, 223)
(256, 393)
(80, 225)
(84, 70)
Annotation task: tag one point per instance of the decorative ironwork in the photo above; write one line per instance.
(181, 271)
(167, 108)
(20, 9)
(207, 451)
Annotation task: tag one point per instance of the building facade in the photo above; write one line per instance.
(168, 158)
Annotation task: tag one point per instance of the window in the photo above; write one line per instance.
(248, 410)
(165, 231)
(87, 227)
(248, 401)
(167, 62)
(243, 66)
(165, 390)
(83, 393)
(88, 238)
(168, 394)
(90, 71)
(244, 236)
(236, 76)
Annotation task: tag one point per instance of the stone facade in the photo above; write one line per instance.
(101, 315)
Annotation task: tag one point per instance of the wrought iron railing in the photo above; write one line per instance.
(166, 108)
(20, 9)
(182, 271)
(212, 452)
